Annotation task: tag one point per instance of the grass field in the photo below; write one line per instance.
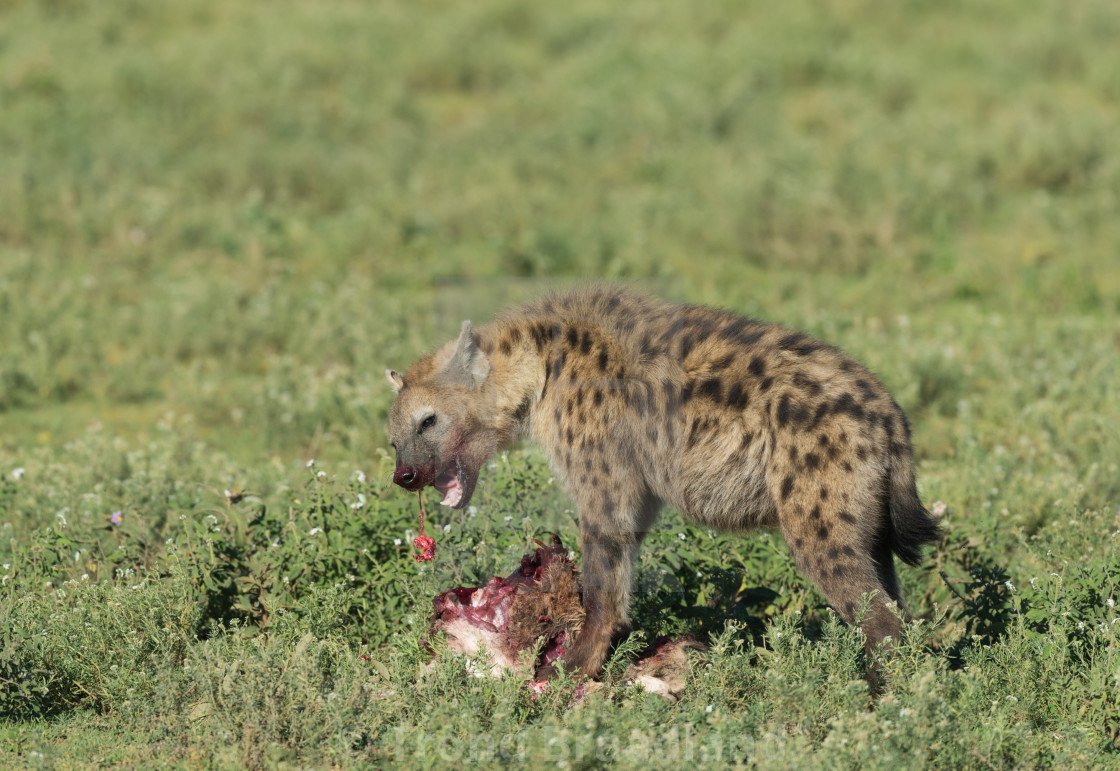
(220, 222)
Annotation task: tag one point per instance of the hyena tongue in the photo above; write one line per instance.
(453, 494)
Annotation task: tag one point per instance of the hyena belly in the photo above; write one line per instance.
(736, 423)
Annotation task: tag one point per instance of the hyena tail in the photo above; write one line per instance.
(911, 525)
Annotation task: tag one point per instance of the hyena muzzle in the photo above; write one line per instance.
(638, 403)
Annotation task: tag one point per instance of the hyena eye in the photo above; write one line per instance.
(427, 423)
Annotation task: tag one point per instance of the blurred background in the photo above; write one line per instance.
(231, 217)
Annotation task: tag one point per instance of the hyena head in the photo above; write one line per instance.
(440, 426)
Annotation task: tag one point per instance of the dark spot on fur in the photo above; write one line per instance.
(558, 365)
(686, 346)
(585, 343)
(799, 543)
(579, 397)
(847, 466)
(506, 346)
(555, 332)
(824, 493)
(806, 383)
(612, 303)
(737, 397)
(799, 344)
(847, 405)
(790, 411)
(522, 410)
(838, 571)
(757, 366)
(587, 464)
(815, 513)
(646, 348)
(604, 467)
(866, 390)
(598, 395)
(861, 452)
(693, 433)
(844, 515)
(556, 415)
(742, 331)
(673, 329)
(812, 461)
(515, 335)
(848, 551)
(793, 455)
(833, 553)
(603, 361)
(686, 392)
(787, 487)
(822, 532)
(818, 416)
(712, 389)
(573, 337)
(764, 386)
(748, 438)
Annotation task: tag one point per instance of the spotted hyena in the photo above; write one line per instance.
(638, 403)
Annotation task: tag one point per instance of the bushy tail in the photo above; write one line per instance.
(911, 524)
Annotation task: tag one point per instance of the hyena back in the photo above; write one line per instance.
(639, 402)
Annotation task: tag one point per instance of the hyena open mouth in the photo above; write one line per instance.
(452, 484)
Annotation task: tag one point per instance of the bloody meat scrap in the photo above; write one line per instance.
(539, 603)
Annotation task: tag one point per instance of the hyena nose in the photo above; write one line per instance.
(405, 476)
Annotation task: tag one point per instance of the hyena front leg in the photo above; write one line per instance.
(613, 523)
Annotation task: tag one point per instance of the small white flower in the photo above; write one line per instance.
(1033, 580)
(1110, 602)
(447, 528)
(286, 581)
(682, 536)
(320, 474)
(315, 531)
(360, 476)
(1080, 624)
(77, 556)
(1009, 585)
(311, 463)
(18, 472)
(938, 508)
(708, 708)
(509, 519)
(7, 566)
(904, 712)
(396, 542)
(472, 510)
(85, 576)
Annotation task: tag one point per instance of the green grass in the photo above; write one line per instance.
(220, 222)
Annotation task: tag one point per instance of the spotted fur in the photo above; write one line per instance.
(638, 403)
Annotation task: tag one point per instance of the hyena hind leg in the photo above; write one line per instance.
(833, 554)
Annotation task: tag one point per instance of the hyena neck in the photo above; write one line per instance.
(518, 373)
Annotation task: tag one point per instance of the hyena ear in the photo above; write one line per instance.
(467, 364)
(395, 380)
